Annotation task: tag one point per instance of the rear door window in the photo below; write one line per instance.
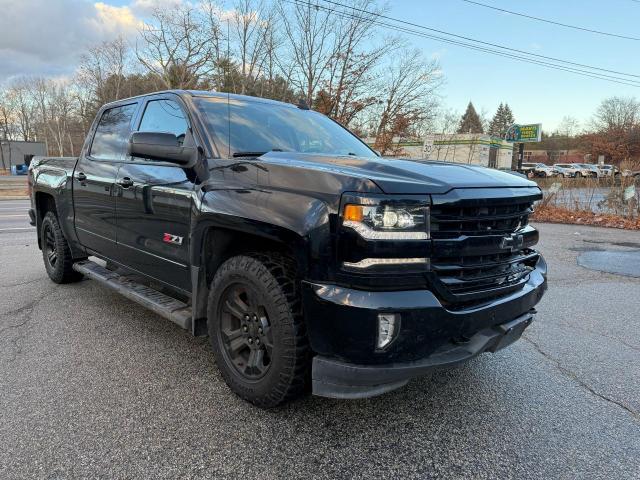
(112, 133)
(164, 116)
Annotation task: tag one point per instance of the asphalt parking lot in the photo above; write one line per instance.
(94, 386)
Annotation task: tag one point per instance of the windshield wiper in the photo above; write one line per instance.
(254, 154)
(248, 154)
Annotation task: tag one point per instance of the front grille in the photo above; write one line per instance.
(455, 221)
(470, 259)
(464, 275)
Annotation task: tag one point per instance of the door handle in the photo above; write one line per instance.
(125, 182)
(81, 177)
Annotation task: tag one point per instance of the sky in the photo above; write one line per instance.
(535, 94)
(46, 37)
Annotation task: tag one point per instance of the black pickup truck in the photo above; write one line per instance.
(311, 262)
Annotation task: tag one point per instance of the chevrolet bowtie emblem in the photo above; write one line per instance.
(512, 242)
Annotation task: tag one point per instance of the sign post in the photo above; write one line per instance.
(522, 134)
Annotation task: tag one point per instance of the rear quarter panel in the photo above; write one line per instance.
(54, 176)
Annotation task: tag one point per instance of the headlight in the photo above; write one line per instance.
(388, 220)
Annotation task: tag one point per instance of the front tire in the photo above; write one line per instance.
(256, 329)
(56, 252)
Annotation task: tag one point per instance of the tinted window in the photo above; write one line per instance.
(112, 133)
(164, 116)
(254, 126)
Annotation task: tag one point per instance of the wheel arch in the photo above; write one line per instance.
(212, 243)
(44, 202)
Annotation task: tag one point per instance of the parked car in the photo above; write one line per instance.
(310, 262)
(609, 170)
(538, 170)
(571, 170)
(591, 170)
(631, 173)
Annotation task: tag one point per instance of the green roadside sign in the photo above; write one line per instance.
(524, 133)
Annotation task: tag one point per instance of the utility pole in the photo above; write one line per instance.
(2, 142)
(520, 155)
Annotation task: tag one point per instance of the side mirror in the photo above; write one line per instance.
(161, 146)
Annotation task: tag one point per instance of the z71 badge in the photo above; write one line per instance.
(171, 238)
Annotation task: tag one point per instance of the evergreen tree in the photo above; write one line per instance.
(501, 121)
(509, 119)
(495, 125)
(470, 121)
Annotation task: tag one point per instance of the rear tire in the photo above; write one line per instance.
(256, 329)
(56, 252)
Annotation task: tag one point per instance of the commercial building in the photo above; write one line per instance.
(14, 153)
(469, 148)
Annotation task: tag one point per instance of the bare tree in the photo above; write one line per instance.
(617, 114)
(103, 69)
(249, 24)
(6, 115)
(19, 98)
(408, 92)
(176, 47)
(349, 86)
(569, 126)
(213, 22)
(310, 33)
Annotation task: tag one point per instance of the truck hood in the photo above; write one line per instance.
(396, 176)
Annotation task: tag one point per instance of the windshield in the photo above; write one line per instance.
(253, 127)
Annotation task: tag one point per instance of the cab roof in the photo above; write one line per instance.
(204, 94)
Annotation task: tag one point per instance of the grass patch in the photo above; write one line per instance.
(554, 214)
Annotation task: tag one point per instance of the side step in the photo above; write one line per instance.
(164, 305)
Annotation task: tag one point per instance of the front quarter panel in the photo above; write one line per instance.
(280, 202)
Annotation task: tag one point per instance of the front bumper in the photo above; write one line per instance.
(336, 379)
(342, 327)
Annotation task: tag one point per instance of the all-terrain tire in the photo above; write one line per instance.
(56, 252)
(270, 279)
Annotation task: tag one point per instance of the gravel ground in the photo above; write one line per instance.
(94, 386)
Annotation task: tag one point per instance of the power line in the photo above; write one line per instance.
(575, 27)
(546, 64)
(502, 47)
(586, 73)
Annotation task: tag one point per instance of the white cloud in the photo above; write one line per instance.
(44, 37)
(146, 7)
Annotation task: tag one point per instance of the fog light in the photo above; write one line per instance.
(388, 327)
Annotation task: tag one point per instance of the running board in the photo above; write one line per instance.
(164, 305)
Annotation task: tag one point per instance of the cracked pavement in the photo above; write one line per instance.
(94, 386)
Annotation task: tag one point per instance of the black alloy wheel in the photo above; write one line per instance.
(256, 328)
(49, 248)
(245, 331)
(56, 253)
